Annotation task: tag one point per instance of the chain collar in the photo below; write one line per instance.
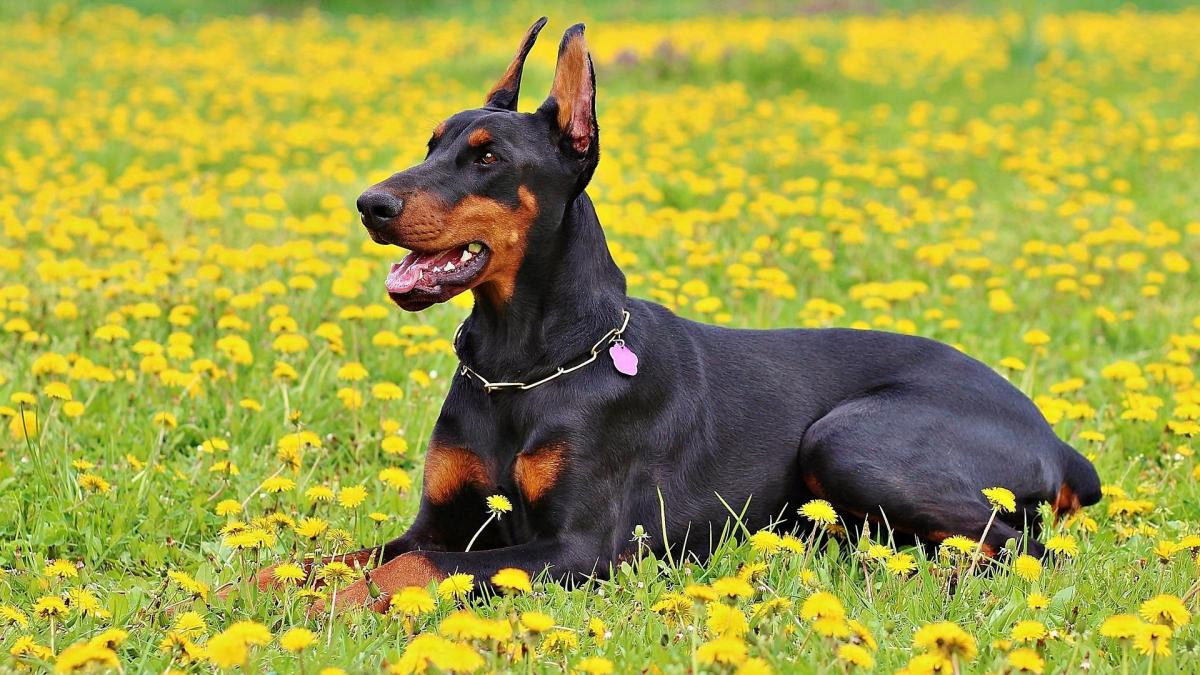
(611, 337)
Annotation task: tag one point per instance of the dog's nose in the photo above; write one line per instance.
(378, 208)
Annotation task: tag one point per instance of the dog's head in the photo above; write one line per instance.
(494, 182)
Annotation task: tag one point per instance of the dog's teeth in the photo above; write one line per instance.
(474, 247)
(465, 256)
(449, 267)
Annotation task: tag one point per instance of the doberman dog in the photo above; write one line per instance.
(587, 407)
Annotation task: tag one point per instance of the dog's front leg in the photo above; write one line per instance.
(420, 535)
(561, 558)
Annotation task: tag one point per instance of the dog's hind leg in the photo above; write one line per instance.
(898, 463)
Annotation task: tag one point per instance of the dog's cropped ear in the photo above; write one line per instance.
(572, 100)
(504, 94)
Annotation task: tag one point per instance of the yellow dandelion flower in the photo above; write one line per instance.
(336, 572)
(958, 544)
(297, 639)
(319, 493)
(727, 650)
(1037, 601)
(512, 579)
(946, 639)
(1001, 499)
(1026, 660)
(819, 511)
(822, 604)
(1153, 639)
(901, 564)
(226, 650)
(311, 528)
(351, 497)
(726, 620)
(288, 572)
(1029, 631)
(733, 587)
(499, 504)
(457, 585)
(536, 622)
(60, 569)
(753, 666)
(1166, 610)
(50, 607)
(594, 665)
(1063, 544)
(412, 601)
(85, 656)
(855, 655)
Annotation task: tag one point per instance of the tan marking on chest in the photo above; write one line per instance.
(537, 471)
(449, 469)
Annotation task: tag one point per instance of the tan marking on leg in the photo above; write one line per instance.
(409, 569)
(814, 485)
(449, 469)
(1066, 502)
(265, 577)
(938, 536)
(537, 470)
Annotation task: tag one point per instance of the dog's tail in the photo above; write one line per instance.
(1080, 477)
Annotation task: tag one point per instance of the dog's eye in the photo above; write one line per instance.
(488, 158)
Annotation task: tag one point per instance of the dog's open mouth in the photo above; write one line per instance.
(426, 278)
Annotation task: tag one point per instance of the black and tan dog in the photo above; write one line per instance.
(889, 428)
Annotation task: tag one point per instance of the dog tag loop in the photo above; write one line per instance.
(623, 358)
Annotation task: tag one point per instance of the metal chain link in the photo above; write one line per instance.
(611, 336)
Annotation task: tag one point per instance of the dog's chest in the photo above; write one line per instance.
(465, 464)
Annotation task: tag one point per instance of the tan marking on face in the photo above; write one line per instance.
(441, 129)
(479, 137)
(448, 470)
(537, 470)
(428, 225)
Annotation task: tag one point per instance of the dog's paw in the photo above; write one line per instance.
(265, 580)
(376, 588)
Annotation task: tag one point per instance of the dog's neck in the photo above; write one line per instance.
(569, 292)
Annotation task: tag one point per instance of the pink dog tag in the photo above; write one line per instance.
(623, 358)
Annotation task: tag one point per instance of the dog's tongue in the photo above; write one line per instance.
(403, 277)
(405, 274)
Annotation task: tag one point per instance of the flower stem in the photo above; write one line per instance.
(479, 532)
(332, 605)
(975, 555)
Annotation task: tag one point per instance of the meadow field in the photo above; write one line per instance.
(203, 373)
